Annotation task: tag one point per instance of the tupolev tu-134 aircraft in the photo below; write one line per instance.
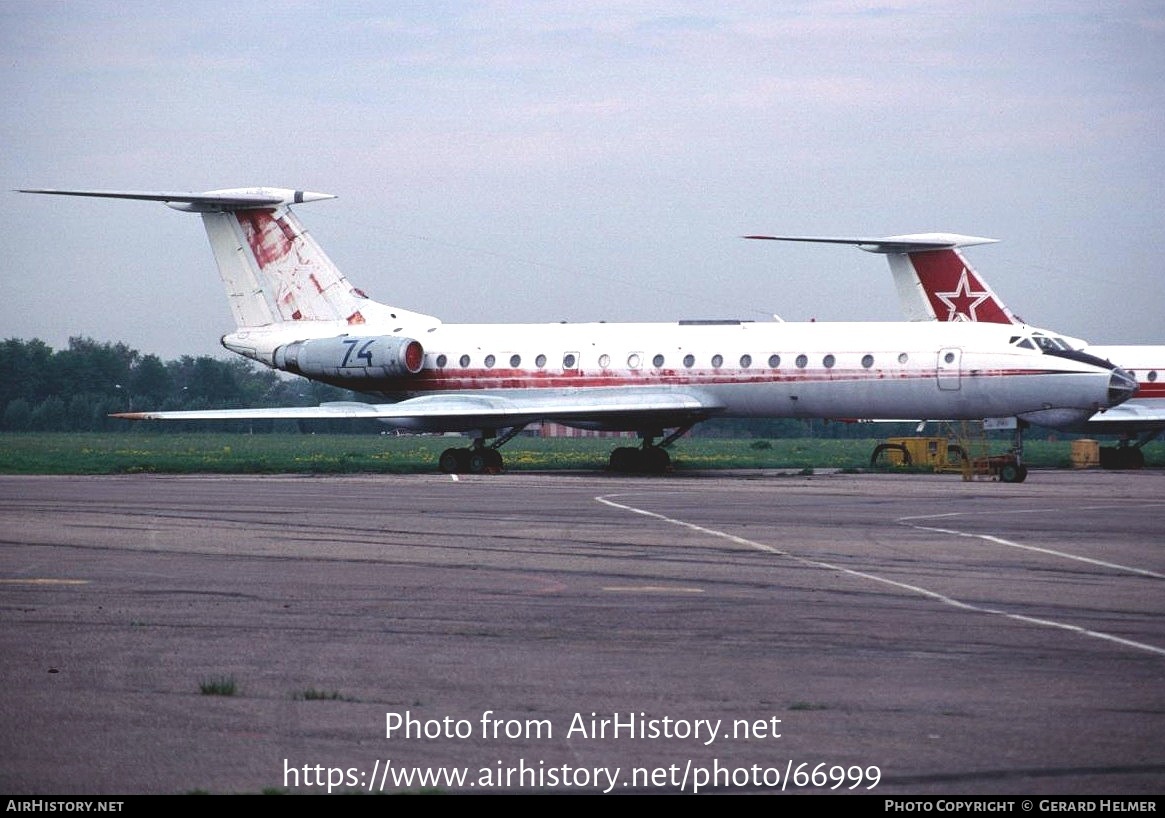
(296, 312)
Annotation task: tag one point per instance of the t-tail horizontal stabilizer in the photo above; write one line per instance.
(913, 243)
(276, 275)
(933, 279)
(212, 201)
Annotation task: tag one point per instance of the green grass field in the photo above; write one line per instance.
(163, 453)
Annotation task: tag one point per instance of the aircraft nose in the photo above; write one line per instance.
(1121, 386)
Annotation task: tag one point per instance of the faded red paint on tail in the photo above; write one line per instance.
(269, 239)
(954, 291)
(301, 282)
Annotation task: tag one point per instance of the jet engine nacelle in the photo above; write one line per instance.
(383, 356)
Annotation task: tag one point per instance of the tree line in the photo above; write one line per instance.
(77, 388)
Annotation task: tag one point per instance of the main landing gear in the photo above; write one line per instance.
(650, 458)
(1126, 454)
(478, 458)
(1121, 457)
(475, 460)
(645, 460)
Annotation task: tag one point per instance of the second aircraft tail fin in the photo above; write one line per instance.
(933, 279)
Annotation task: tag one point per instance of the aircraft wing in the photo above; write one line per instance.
(1130, 415)
(600, 408)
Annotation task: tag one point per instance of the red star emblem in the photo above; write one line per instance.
(963, 301)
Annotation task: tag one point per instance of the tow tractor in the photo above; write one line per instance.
(963, 450)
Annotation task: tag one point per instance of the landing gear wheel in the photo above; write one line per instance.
(493, 460)
(655, 460)
(454, 461)
(482, 461)
(625, 459)
(477, 461)
(1121, 457)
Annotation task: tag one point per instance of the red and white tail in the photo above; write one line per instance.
(934, 281)
(274, 271)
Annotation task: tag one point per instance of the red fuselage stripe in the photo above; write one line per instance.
(478, 379)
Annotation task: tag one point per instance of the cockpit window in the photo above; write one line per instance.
(1051, 344)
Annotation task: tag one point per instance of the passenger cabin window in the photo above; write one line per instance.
(745, 361)
(717, 361)
(867, 361)
(489, 361)
(802, 361)
(774, 361)
(441, 361)
(829, 361)
(515, 361)
(657, 361)
(689, 361)
(540, 361)
(569, 361)
(464, 361)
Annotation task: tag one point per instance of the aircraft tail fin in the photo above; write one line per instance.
(273, 270)
(933, 279)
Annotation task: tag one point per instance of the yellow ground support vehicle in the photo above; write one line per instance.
(942, 455)
(916, 451)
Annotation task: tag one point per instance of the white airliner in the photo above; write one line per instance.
(935, 283)
(295, 311)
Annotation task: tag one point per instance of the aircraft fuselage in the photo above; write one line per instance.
(743, 369)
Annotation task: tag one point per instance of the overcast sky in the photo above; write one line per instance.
(539, 161)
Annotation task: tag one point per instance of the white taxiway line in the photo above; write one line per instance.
(946, 600)
(1000, 541)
